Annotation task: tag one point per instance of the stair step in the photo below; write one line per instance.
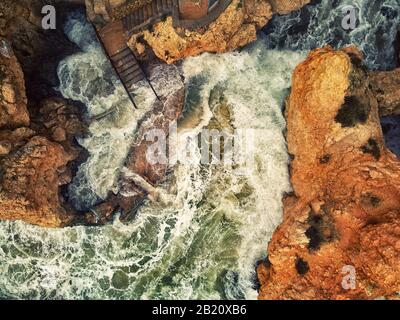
(120, 63)
(134, 80)
(121, 54)
(128, 72)
(131, 22)
(124, 57)
(136, 17)
(154, 8)
(132, 75)
(128, 65)
(150, 10)
(144, 8)
(125, 23)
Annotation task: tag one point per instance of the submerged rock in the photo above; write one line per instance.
(341, 232)
(137, 179)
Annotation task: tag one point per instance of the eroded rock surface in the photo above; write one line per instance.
(139, 178)
(386, 87)
(38, 153)
(13, 108)
(36, 159)
(342, 221)
(30, 181)
(287, 6)
(234, 28)
(37, 50)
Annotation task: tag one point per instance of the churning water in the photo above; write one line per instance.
(205, 244)
(320, 24)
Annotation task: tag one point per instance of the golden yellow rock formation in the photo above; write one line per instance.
(234, 28)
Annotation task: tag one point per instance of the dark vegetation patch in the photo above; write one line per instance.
(352, 112)
(302, 266)
(325, 159)
(140, 39)
(370, 200)
(321, 229)
(372, 147)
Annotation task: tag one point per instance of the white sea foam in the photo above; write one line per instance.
(88, 77)
(321, 24)
(205, 244)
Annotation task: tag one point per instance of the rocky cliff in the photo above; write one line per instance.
(34, 155)
(13, 109)
(38, 153)
(339, 238)
(234, 28)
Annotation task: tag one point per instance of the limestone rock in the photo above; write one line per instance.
(13, 103)
(286, 6)
(30, 182)
(33, 167)
(61, 122)
(234, 28)
(38, 51)
(340, 235)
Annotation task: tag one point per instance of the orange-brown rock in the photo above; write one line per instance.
(234, 28)
(61, 122)
(140, 178)
(286, 6)
(13, 108)
(386, 88)
(33, 167)
(38, 51)
(30, 181)
(340, 235)
(36, 161)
